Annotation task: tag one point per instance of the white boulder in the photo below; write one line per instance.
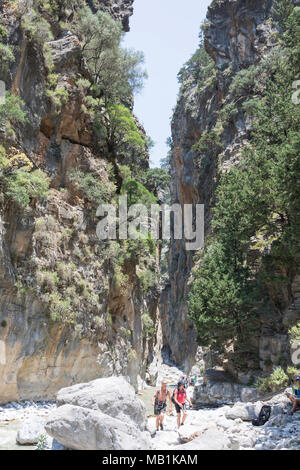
(104, 414)
(30, 431)
(80, 428)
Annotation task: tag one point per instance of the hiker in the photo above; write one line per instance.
(180, 398)
(159, 401)
(295, 399)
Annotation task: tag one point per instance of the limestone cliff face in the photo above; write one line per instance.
(237, 34)
(43, 355)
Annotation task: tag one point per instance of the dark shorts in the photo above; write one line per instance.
(159, 407)
(178, 409)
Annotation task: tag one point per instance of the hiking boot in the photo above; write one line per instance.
(161, 426)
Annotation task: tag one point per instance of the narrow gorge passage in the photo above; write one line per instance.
(95, 294)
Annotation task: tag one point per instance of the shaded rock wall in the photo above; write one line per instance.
(43, 356)
(237, 34)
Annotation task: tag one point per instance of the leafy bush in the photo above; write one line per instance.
(6, 51)
(157, 179)
(276, 381)
(11, 111)
(95, 190)
(36, 27)
(294, 333)
(60, 308)
(148, 326)
(48, 280)
(137, 193)
(199, 68)
(147, 279)
(22, 186)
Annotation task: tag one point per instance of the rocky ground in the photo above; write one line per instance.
(224, 428)
(230, 427)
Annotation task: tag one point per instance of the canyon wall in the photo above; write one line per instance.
(58, 235)
(237, 34)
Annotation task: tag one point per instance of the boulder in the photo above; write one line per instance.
(164, 439)
(80, 428)
(244, 411)
(113, 396)
(104, 414)
(212, 439)
(30, 431)
(189, 432)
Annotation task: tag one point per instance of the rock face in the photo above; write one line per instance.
(42, 355)
(237, 34)
(101, 415)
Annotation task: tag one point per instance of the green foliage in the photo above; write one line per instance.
(48, 280)
(120, 129)
(259, 196)
(157, 179)
(22, 186)
(294, 333)
(208, 143)
(60, 308)
(147, 279)
(199, 68)
(148, 326)
(11, 111)
(6, 52)
(97, 191)
(216, 300)
(116, 72)
(137, 193)
(42, 443)
(36, 27)
(276, 381)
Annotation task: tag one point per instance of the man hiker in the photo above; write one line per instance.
(180, 399)
(159, 401)
(295, 399)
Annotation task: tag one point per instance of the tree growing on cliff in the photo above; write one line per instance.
(116, 124)
(117, 72)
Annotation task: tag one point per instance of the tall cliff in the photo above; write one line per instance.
(210, 130)
(72, 308)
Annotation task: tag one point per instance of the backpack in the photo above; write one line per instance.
(173, 399)
(263, 417)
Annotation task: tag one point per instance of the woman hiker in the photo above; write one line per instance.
(180, 400)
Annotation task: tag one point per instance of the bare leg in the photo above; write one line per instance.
(290, 396)
(178, 419)
(157, 423)
(184, 417)
(296, 403)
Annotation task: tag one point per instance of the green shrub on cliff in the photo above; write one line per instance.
(6, 51)
(12, 112)
(95, 190)
(199, 68)
(22, 186)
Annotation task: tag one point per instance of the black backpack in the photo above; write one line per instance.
(263, 416)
